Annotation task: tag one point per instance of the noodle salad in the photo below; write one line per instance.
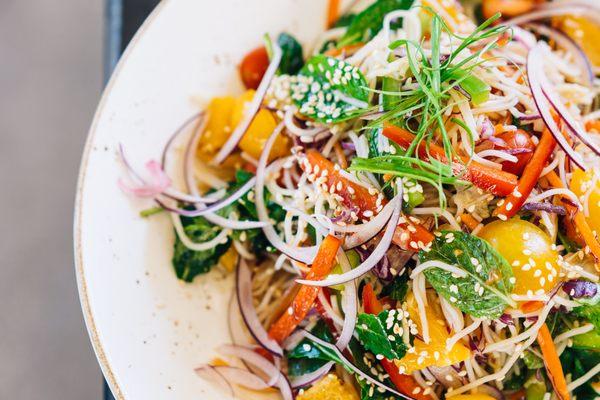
(410, 205)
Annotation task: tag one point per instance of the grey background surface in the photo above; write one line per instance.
(50, 82)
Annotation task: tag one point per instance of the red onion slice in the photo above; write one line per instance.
(377, 254)
(213, 207)
(353, 367)
(559, 10)
(349, 305)
(566, 116)
(311, 377)
(534, 72)
(370, 229)
(252, 109)
(302, 254)
(233, 375)
(251, 356)
(244, 296)
(491, 391)
(158, 183)
(571, 46)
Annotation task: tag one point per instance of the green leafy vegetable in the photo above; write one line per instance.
(367, 362)
(382, 333)
(188, 263)
(329, 90)
(591, 312)
(307, 356)
(397, 289)
(370, 21)
(577, 363)
(485, 290)
(532, 361)
(587, 341)
(292, 59)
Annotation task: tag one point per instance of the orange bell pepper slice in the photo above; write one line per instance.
(552, 363)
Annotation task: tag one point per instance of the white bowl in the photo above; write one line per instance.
(148, 329)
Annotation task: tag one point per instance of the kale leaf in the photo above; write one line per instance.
(370, 21)
(189, 263)
(329, 90)
(381, 335)
(292, 59)
(484, 291)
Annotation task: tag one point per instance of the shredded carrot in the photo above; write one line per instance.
(305, 299)
(333, 12)
(552, 363)
(404, 383)
(412, 236)
(469, 221)
(515, 200)
(339, 152)
(579, 220)
(531, 306)
(593, 125)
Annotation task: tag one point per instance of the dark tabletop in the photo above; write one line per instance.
(122, 20)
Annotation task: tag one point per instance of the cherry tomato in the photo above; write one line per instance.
(253, 67)
(516, 141)
(529, 251)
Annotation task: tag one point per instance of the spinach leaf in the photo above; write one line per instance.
(329, 90)
(292, 59)
(484, 291)
(188, 263)
(577, 363)
(382, 333)
(307, 356)
(344, 20)
(370, 21)
(397, 289)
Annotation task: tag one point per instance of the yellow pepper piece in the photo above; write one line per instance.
(433, 353)
(585, 32)
(582, 183)
(477, 396)
(229, 259)
(329, 388)
(218, 126)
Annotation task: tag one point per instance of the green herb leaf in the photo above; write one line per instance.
(380, 334)
(532, 361)
(329, 90)
(485, 290)
(307, 356)
(591, 312)
(188, 263)
(397, 289)
(367, 362)
(577, 363)
(292, 59)
(370, 21)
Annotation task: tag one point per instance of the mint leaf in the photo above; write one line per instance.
(485, 291)
(292, 59)
(329, 90)
(307, 356)
(370, 21)
(397, 289)
(382, 333)
(591, 312)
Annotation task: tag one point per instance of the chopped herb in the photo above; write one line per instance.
(307, 356)
(329, 90)
(151, 211)
(485, 290)
(382, 333)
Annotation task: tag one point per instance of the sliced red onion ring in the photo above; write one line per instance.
(159, 181)
(235, 375)
(566, 116)
(302, 254)
(377, 254)
(370, 229)
(213, 207)
(237, 327)
(578, 288)
(534, 73)
(244, 296)
(530, 117)
(179, 131)
(349, 305)
(353, 367)
(212, 375)
(548, 207)
(560, 9)
(252, 109)
(491, 391)
(571, 46)
(249, 355)
(312, 377)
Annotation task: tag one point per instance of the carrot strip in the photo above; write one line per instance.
(412, 236)
(579, 220)
(337, 51)
(333, 12)
(531, 306)
(469, 221)
(498, 182)
(552, 363)
(515, 200)
(304, 300)
(404, 383)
